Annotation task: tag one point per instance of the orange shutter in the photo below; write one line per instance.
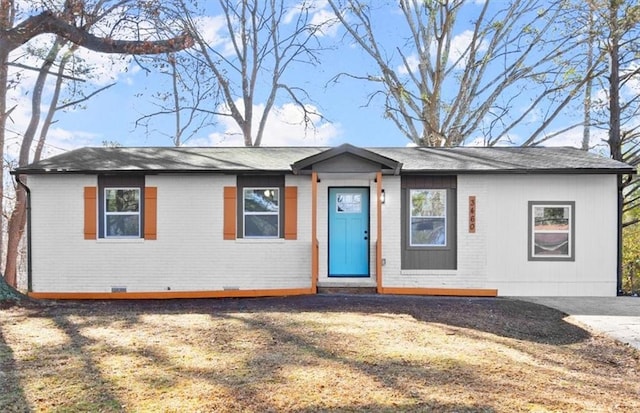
(229, 226)
(291, 212)
(90, 212)
(150, 212)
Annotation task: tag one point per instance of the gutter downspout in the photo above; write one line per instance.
(28, 191)
(620, 240)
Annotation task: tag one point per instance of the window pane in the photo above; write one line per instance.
(428, 203)
(348, 203)
(551, 218)
(261, 200)
(123, 200)
(261, 225)
(428, 231)
(123, 225)
(551, 243)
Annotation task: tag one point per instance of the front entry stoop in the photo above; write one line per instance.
(346, 290)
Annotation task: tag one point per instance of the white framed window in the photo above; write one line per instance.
(261, 212)
(428, 218)
(122, 212)
(551, 231)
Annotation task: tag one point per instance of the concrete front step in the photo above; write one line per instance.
(346, 290)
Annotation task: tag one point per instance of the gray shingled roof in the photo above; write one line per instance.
(279, 159)
(501, 159)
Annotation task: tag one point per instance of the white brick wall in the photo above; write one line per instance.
(188, 255)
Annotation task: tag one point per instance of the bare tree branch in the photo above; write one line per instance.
(252, 70)
(36, 69)
(441, 96)
(49, 22)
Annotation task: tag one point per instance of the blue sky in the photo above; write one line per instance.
(110, 116)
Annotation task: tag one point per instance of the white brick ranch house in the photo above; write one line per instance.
(243, 222)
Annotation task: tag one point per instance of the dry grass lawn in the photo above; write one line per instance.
(307, 354)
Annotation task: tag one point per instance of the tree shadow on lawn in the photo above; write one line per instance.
(96, 394)
(278, 346)
(62, 375)
(502, 317)
(400, 376)
(12, 397)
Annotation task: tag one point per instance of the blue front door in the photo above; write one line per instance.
(348, 232)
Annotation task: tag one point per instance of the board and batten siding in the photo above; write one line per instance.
(495, 255)
(189, 253)
(593, 273)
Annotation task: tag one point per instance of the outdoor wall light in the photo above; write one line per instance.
(382, 196)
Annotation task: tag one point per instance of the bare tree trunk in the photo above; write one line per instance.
(6, 22)
(15, 229)
(615, 143)
(3, 123)
(586, 131)
(177, 139)
(52, 106)
(6, 18)
(614, 83)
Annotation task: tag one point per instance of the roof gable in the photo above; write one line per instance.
(346, 158)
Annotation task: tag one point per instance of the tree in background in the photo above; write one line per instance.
(189, 90)
(73, 23)
(263, 41)
(612, 104)
(618, 25)
(442, 92)
(621, 41)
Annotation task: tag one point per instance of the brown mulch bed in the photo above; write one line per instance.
(323, 353)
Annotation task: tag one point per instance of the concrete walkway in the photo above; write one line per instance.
(618, 317)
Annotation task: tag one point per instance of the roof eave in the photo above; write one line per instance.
(144, 171)
(398, 171)
(557, 171)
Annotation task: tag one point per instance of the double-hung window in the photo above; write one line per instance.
(122, 212)
(551, 231)
(428, 218)
(122, 206)
(261, 212)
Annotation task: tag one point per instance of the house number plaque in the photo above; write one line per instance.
(472, 214)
